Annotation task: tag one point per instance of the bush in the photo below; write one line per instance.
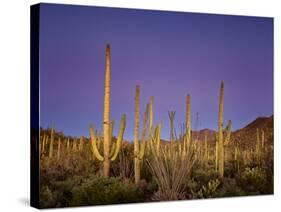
(254, 181)
(207, 191)
(229, 188)
(97, 190)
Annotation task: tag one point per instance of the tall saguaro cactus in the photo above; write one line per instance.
(58, 151)
(106, 114)
(109, 152)
(139, 148)
(51, 143)
(172, 126)
(223, 138)
(151, 114)
(187, 140)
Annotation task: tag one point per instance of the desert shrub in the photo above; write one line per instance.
(97, 190)
(229, 188)
(47, 198)
(123, 166)
(207, 191)
(204, 176)
(254, 180)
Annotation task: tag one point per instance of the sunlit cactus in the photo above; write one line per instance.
(223, 135)
(206, 151)
(172, 127)
(74, 147)
(59, 149)
(80, 147)
(151, 114)
(259, 145)
(67, 146)
(51, 146)
(188, 139)
(109, 152)
(139, 148)
(42, 149)
(114, 149)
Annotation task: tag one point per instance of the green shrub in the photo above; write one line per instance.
(254, 181)
(98, 190)
(207, 191)
(229, 188)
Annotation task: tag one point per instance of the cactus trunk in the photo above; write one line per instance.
(58, 152)
(106, 115)
(136, 135)
(220, 134)
(110, 152)
(51, 143)
(188, 125)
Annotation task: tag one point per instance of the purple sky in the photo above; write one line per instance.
(169, 54)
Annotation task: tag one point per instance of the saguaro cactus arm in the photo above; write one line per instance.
(143, 142)
(156, 139)
(120, 138)
(94, 144)
(227, 132)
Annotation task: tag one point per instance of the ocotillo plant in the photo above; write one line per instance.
(107, 137)
(170, 168)
(222, 139)
(139, 148)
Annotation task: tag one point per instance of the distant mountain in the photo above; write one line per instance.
(248, 134)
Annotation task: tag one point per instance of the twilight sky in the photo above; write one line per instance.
(169, 54)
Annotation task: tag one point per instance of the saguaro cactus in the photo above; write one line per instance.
(80, 147)
(172, 127)
(187, 140)
(67, 145)
(222, 139)
(151, 114)
(139, 148)
(258, 147)
(51, 143)
(58, 152)
(206, 147)
(107, 132)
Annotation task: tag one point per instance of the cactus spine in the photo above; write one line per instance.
(107, 127)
